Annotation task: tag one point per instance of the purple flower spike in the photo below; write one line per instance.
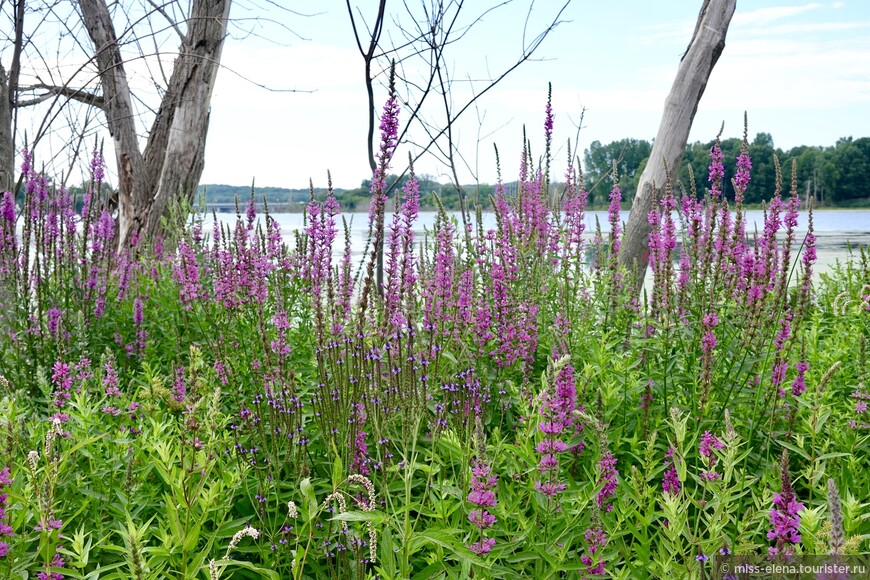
(483, 483)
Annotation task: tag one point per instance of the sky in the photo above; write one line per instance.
(290, 103)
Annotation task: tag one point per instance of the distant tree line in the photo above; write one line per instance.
(838, 175)
(357, 199)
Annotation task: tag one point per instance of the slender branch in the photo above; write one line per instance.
(168, 19)
(80, 95)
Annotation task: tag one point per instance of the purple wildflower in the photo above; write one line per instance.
(5, 528)
(607, 479)
(110, 379)
(709, 443)
(361, 460)
(550, 489)
(596, 539)
(742, 176)
(784, 515)
(483, 483)
(614, 219)
(557, 408)
(671, 482)
(717, 170)
(799, 385)
(63, 381)
(179, 388)
(57, 561)
(483, 546)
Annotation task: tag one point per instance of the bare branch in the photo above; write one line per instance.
(80, 95)
(168, 19)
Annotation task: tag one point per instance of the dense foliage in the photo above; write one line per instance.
(223, 404)
(838, 175)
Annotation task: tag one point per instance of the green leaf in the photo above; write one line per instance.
(337, 472)
(794, 448)
(308, 492)
(445, 540)
(387, 555)
(247, 566)
(358, 516)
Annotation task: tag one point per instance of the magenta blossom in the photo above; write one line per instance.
(482, 495)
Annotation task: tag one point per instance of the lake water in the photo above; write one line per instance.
(835, 230)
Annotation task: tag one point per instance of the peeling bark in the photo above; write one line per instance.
(175, 153)
(7, 149)
(681, 104)
(173, 160)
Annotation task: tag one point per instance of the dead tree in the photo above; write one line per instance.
(681, 104)
(172, 161)
(8, 89)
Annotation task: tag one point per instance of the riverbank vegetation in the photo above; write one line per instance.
(835, 177)
(504, 405)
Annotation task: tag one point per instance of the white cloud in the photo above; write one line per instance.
(764, 16)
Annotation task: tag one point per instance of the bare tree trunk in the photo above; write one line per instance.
(681, 104)
(8, 98)
(118, 108)
(7, 149)
(174, 155)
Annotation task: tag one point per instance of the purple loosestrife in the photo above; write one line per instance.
(615, 220)
(707, 450)
(7, 208)
(322, 232)
(799, 385)
(767, 262)
(279, 346)
(552, 426)
(5, 528)
(548, 131)
(482, 496)
(744, 172)
(185, 271)
(607, 474)
(671, 482)
(62, 380)
(807, 260)
(55, 317)
(344, 295)
(438, 290)
(361, 460)
(98, 167)
(596, 540)
(110, 378)
(179, 387)
(8, 236)
(717, 170)
(401, 273)
(576, 198)
(654, 242)
(389, 140)
(708, 343)
(861, 396)
(784, 515)
(57, 561)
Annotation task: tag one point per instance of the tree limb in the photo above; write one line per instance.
(80, 95)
